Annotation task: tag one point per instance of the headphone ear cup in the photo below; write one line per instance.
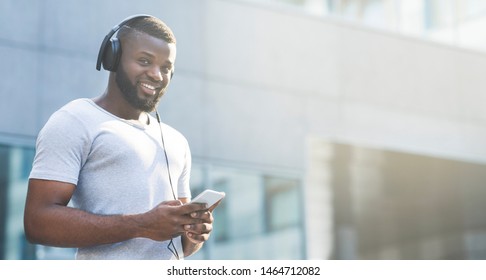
(112, 54)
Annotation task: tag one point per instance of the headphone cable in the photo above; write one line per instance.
(165, 153)
(173, 250)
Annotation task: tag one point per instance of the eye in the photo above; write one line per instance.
(165, 69)
(144, 61)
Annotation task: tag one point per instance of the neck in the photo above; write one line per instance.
(104, 101)
(113, 101)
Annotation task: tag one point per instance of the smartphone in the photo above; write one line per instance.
(209, 197)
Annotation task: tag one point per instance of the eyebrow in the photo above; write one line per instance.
(153, 56)
(147, 53)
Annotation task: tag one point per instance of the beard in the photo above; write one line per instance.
(129, 92)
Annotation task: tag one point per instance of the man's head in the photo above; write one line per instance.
(146, 63)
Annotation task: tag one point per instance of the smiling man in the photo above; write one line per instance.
(125, 173)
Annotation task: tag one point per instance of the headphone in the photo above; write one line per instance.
(110, 50)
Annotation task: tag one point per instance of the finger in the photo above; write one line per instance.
(188, 220)
(199, 228)
(204, 216)
(194, 207)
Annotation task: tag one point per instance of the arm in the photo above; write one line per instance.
(48, 220)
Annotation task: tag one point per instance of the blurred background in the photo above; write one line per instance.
(339, 129)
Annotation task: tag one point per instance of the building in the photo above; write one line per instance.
(338, 129)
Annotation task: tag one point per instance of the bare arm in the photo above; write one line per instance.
(49, 221)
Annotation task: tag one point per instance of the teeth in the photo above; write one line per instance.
(148, 86)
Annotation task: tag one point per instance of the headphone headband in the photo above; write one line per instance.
(110, 34)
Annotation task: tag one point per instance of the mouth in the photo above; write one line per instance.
(149, 88)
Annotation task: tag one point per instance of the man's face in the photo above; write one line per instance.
(145, 70)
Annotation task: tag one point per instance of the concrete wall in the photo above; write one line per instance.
(253, 82)
(49, 50)
(276, 77)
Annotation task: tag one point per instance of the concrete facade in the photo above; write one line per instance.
(255, 86)
(245, 70)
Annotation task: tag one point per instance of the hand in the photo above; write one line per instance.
(199, 232)
(167, 219)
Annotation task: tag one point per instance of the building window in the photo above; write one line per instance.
(221, 233)
(283, 203)
(15, 165)
(258, 219)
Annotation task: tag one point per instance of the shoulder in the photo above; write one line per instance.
(174, 139)
(79, 112)
(78, 108)
(172, 133)
(70, 122)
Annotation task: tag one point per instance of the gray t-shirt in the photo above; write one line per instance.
(118, 167)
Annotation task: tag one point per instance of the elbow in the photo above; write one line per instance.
(35, 228)
(31, 233)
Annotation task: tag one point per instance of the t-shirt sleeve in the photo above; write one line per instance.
(61, 149)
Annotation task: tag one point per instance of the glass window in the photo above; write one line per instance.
(259, 217)
(15, 166)
(221, 232)
(452, 22)
(472, 8)
(3, 197)
(395, 205)
(283, 203)
(244, 201)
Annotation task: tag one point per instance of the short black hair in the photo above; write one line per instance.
(148, 25)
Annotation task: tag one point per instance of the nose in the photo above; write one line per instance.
(155, 74)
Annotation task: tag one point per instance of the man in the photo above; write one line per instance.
(108, 156)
